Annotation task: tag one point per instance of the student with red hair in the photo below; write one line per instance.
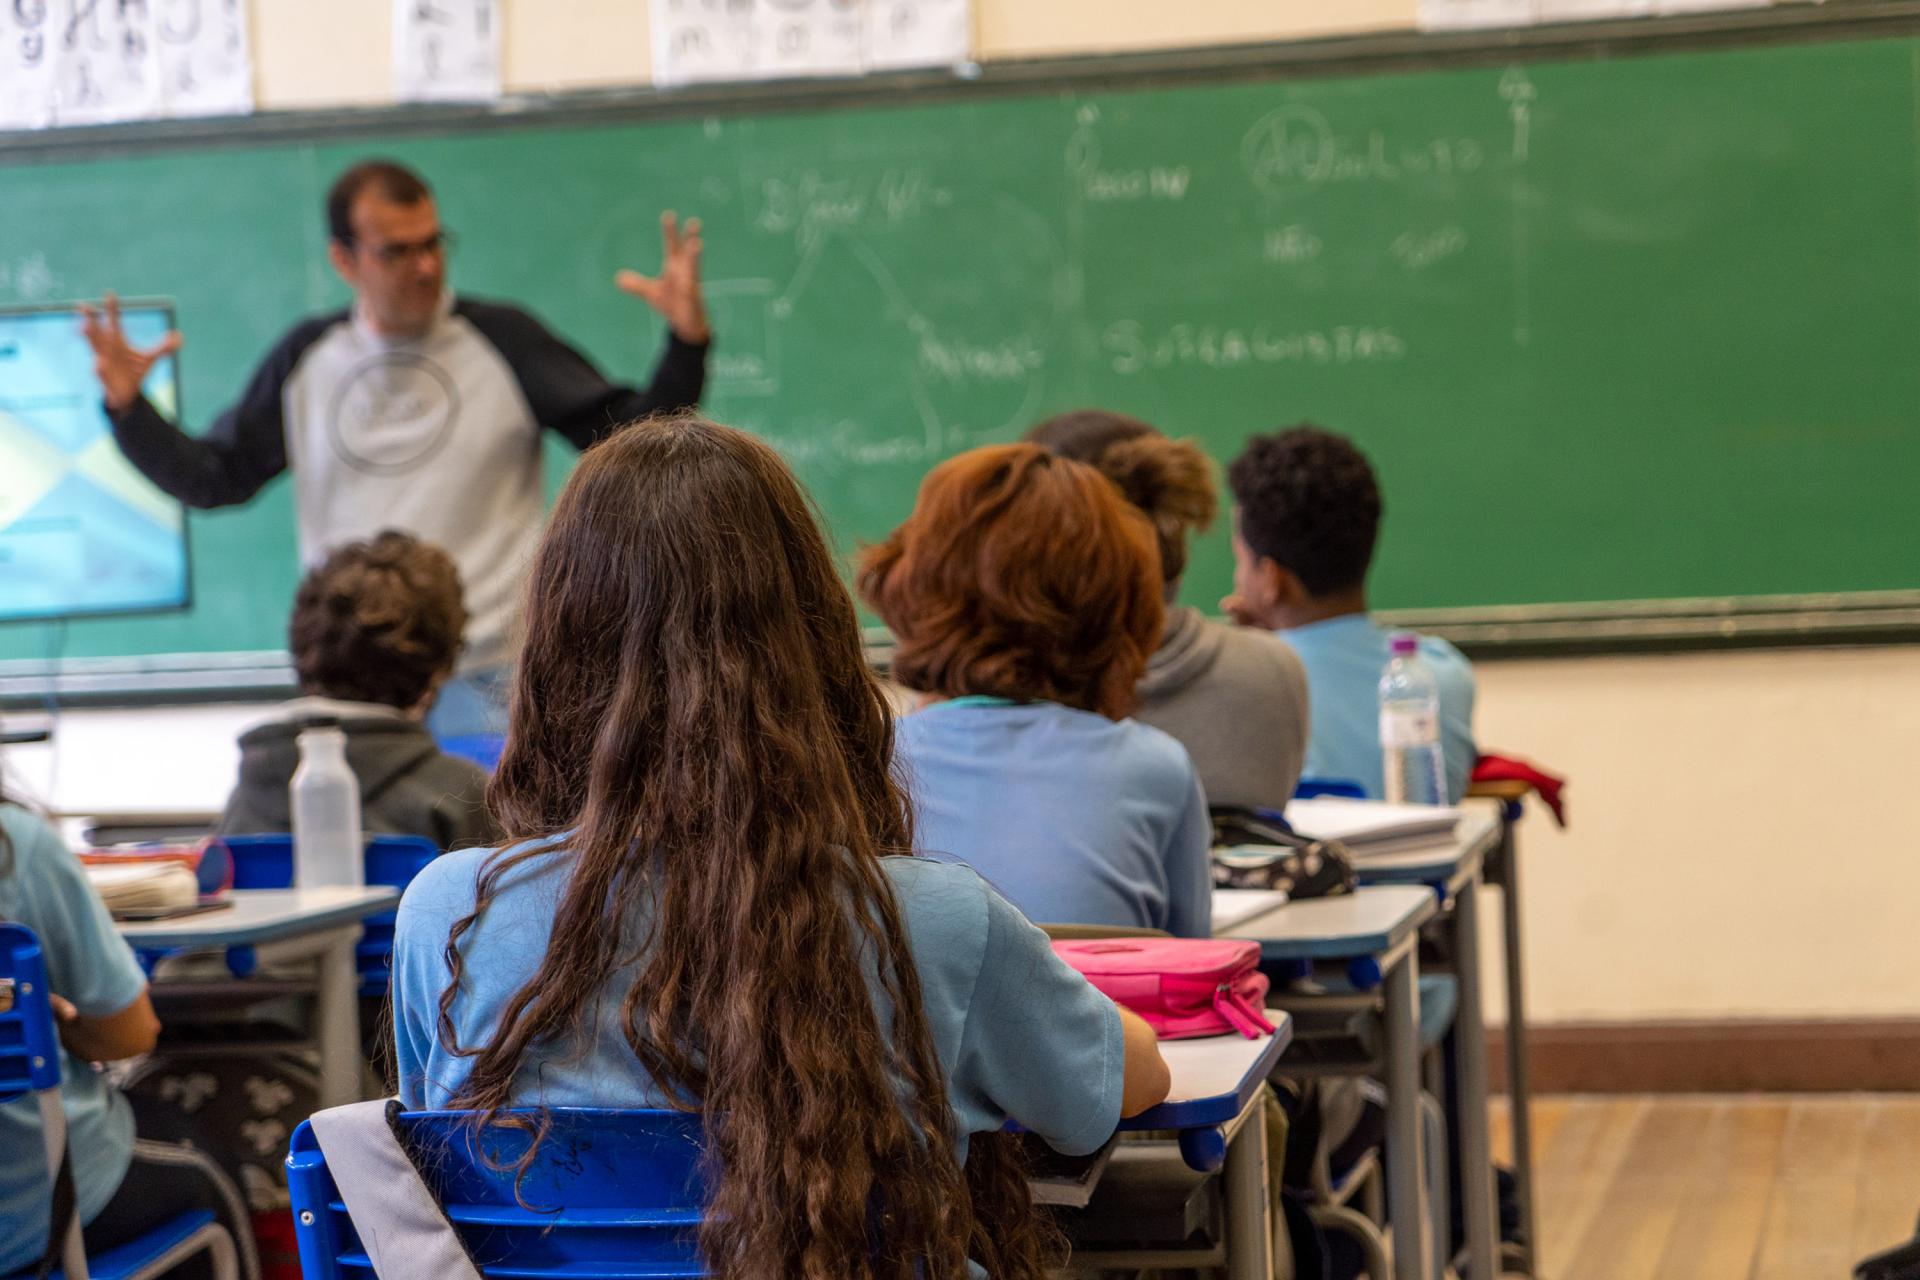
(1025, 596)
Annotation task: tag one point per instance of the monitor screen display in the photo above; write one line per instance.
(81, 531)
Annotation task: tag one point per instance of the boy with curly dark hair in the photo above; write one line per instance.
(376, 628)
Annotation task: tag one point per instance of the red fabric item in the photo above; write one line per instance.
(1546, 785)
(279, 1244)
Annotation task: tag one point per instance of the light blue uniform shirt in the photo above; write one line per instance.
(1019, 1035)
(43, 887)
(1076, 818)
(1345, 658)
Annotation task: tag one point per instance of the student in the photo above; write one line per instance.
(1307, 510)
(375, 629)
(1236, 699)
(1024, 597)
(123, 1187)
(711, 901)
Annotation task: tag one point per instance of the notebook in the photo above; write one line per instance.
(1234, 907)
(1372, 826)
(145, 890)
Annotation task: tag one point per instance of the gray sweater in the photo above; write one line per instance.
(408, 786)
(1236, 698)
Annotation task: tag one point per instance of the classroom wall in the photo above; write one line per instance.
(338, 53)
(1740, 842)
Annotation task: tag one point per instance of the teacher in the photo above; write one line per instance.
(415, 409)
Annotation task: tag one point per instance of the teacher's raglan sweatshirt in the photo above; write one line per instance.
(438, 436)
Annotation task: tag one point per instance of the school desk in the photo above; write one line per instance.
(1215, 1106)
(329, 920)
(1376, 927)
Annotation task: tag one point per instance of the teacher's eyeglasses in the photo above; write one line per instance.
(440, 243)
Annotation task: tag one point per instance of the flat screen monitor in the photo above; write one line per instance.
(81, 531)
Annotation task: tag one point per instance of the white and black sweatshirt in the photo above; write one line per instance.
(437, 435)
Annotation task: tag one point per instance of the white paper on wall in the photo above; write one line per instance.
(1590, 10)
(696, 41)
(918, 33)
(106, 67)
(808, 38)
(26, 65)
(1704, 6)
(206, 59)
(1474, 15)
(446, 50)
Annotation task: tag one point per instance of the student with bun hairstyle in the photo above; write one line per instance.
(1024, 594)
(710, 901)
(1235, 698)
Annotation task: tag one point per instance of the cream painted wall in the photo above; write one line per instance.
(338, 53)
(1743, 840)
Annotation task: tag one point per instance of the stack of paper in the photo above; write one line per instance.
(1369, 826)
(144, 887)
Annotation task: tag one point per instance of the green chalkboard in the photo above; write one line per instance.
(1620, 329)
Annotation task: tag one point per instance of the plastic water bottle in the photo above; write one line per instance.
(327, 848)
(1416, 770)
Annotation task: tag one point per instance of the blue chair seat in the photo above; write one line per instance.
(133, 1258)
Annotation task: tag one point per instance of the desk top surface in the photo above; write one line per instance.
(1437, 863)
(1214, 1078)
(1371, 920)
(261, 915)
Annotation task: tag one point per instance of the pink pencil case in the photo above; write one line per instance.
(1184, 988)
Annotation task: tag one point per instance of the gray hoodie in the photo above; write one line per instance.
(1236, 698)
(408, 786)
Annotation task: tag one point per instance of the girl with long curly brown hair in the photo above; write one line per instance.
(1024, 593)
(711, 905)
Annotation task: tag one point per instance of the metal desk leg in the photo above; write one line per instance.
(1519, 1078)
(1249, 1222)
(337, 1020)
(1407, 1203)
(1470, 1037)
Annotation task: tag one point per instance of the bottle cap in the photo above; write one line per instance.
(1404, 644)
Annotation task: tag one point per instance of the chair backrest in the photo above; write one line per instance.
(604, 1188)
(482, 748)
(29, 1045)
(1313, 788)
(266, 862)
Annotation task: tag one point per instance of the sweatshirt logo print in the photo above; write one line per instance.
(392, 413)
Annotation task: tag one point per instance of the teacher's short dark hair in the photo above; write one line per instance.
(1309, 502)
(391, 180)
(377, 621)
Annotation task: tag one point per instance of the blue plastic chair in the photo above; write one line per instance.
(1314, 788)
(266, 862)
(482, 748)
(30, 1063)
(610, 1194)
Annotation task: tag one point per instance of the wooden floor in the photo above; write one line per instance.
(1792, 1187)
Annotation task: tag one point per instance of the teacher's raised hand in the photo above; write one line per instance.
(675, 292)
(120, 366)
